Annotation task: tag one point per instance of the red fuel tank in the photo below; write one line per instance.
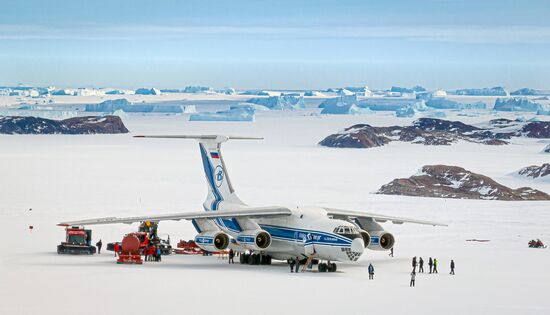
(130, 244)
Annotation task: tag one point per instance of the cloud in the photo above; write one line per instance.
(456, 34)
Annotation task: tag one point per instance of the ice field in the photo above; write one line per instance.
(78, 177)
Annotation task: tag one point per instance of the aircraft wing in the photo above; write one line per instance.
(250, 212)
(346, 214)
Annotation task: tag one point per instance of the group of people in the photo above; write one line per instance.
(152, 253)
(294, 262)
(432, 263)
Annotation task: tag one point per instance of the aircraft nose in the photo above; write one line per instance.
(357, 245)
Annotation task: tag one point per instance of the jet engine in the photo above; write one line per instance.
(257, 240)
(366, 237)
(212, 241)
(381, 240)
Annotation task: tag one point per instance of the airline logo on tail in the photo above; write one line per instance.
(218, 176)
(214, 155)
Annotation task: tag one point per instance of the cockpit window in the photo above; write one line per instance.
(346, 230)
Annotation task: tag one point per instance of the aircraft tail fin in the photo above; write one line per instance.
(220, 189)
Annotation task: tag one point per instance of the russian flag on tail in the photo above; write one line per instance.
(214, 155)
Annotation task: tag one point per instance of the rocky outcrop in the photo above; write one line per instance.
(358, 136)
(427, 131)
(73, 126)
(535, 171)
(536, 129)
(443, 181)
(432, 131)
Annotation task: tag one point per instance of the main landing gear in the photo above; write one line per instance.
(326, 267)
(254, 259)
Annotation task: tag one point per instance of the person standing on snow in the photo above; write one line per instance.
(291, 263)
(99, 244)
(297, 264)
(452, 267)
(414, 264)
(435, 265)
(413, 279)
(391, 252)
(116, 248)
(231, 256)
(158, 254)
(371, 272)
(431, 264)
(421, 265)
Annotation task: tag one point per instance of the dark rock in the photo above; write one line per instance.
(535, 171)
(433, 124)
(427, 131)
(357, 136)
(536, 129)
(76, 125)
(443, 181)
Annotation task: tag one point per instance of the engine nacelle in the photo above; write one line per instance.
(212, 241)
(257, 240)
(381, 240)
(366, 237)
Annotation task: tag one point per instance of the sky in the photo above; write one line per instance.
(280, 44)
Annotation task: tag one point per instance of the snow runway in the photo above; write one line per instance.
(74, 177)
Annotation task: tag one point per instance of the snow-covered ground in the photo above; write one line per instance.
(77, 177)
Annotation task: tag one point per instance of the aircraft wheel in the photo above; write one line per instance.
(322, 267)
(331, 267)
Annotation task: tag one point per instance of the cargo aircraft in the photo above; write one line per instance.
(273, 232)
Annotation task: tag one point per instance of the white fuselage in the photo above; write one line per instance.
(307, 231)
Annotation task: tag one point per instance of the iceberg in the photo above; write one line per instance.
(543, 110)
(119, 112)
(439, 93)
(341, 108)
(547, 149)
(281, 102)
(526, 91)
(110, 106)
(255, 107)
(227, 91)
(151, 91)
(197, 89)
(342, 99)
(260, 93)
(313, 93)
(494, 91)
(63, 92)
(398, 89)
(391, 104)
(407, 111)
(119, 92)
(516, 104)
(236, 114)
(189, 109)
(442, 103)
